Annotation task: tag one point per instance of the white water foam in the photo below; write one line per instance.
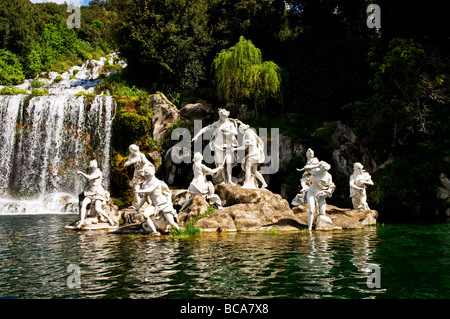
(44, 140)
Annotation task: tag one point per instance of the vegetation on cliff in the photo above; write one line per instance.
(391, 86)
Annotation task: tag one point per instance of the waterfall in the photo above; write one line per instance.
(45, 140)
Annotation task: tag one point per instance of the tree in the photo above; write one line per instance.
(242, 76)
(164, 41)
(407, 85)
(406, 120)
(19, 26)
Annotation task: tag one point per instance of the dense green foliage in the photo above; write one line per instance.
(243, 77)
(164, 41)
(10, 69)
(407, 120)
(129, 127)
(391, 86)
(40, 38)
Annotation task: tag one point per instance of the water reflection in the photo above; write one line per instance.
(234, 266)
(35, 253)
(363, 251)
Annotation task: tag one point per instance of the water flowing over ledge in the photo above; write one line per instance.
(45, 139)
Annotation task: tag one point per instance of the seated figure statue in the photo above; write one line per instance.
(159, 196)
(306, 179)
(358, 181)
(94, 194)
(140, 162)
(322, 187)
(200, 185)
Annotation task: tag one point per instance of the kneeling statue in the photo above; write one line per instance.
(161, 211)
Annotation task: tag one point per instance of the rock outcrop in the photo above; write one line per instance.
(198, 206)
(95, 221)
(250, 210)
(197, 111)
(342, 218)
(164, 114)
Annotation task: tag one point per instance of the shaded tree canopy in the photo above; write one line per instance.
(242, 76)
(164, 41)
(391, 86)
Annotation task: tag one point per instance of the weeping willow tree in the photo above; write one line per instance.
(243, 77)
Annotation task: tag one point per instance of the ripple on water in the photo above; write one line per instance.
(34, 258)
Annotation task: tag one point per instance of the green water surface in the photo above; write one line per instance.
(35, 253)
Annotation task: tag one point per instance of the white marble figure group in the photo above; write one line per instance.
(147, 188)
(317, 185)
(159, 213)
(224, 144)
(156, 195)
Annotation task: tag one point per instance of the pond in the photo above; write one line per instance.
(40, 259)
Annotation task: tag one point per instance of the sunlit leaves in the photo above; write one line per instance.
(241, 75)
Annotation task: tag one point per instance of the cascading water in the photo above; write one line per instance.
(45, 140)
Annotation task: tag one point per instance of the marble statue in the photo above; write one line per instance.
(305, 181)
(93, 194)
(158, 195)
(140, 162)
(223, 142)
(443, 191)
(358, 182)
(322, 187)
(255, 156)
(200, 185)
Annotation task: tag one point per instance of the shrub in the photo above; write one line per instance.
(11, 72)
(35, 84)
(37, 92)
(129, 128)
(57, 79)
(12, 91)
(190, 228)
